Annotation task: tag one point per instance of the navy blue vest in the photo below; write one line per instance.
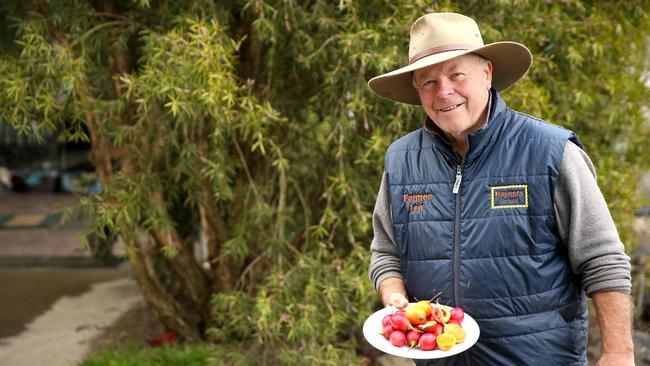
(481, 231)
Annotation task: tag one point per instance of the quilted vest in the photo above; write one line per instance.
(481, 231)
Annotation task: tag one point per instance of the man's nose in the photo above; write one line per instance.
(444, 88)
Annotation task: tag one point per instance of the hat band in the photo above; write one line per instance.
(439, 49)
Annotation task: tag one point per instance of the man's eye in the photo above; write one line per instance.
(427, 84)
(457, 75)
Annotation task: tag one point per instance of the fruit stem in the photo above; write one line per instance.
(436, 296)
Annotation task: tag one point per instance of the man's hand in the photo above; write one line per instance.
(614, 318)
(393, 293)
(614, 359)
(397, 300)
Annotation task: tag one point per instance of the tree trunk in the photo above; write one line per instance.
(214, 229)
(169, 310)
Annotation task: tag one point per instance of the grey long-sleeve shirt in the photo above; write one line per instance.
(584, 223)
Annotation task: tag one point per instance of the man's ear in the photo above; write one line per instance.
(488, 73)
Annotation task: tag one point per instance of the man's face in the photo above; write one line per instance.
(454, 93)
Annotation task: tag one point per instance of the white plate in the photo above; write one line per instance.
(372, 327)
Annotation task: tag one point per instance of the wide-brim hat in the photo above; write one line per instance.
(438, 37)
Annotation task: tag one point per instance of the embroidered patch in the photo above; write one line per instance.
(416, 201)
(514, 196)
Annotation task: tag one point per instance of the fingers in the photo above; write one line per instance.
(397, 300)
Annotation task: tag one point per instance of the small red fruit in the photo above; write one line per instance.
(427, 342)
(412, 338)
(430, 317)
(386, 320)
(438, 329)
(400, 322)
(457, 314)
(387, 330)
(428, 326)
(397, 339)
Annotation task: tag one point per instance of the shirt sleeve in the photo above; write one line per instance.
(585, 225)
(384, 261)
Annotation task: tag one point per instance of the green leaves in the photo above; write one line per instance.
(191, 355)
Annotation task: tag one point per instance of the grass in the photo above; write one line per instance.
(190, 355)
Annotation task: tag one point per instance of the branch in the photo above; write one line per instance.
(212, 224)
(327, 41)
(281, 204)
(100, 26)
(305, 208)
(248, 268)
(245, 166)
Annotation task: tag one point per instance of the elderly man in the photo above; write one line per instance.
(496, 210)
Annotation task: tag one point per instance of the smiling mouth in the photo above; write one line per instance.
(447, 109)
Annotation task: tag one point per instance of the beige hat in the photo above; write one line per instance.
(438, 37)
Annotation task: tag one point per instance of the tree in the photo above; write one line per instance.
(240, 151)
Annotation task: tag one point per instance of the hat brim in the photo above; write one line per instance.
(510, 62)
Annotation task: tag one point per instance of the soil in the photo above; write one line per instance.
(131, 329)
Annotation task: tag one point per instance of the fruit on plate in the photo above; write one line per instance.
(425, 326)
(416, 315)
(441, 313)
(386, 320)
(438, 329)
(457, 331)
(457, 314)
(401, 322)
(386, 331)
(427, 342)
(412, 338)
(397, 339)
(426, 306)
(445, 341)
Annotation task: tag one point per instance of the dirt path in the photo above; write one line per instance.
(62, 336)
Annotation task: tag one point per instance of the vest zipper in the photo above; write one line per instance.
(456, 256)
(459, 177)
(456, 253)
